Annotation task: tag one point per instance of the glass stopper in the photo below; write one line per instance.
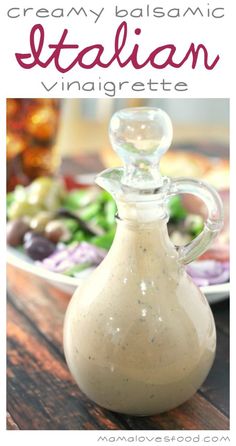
(140, 136)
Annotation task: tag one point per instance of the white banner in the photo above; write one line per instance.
(117, 48)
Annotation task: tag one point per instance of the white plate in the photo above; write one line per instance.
(214, 293)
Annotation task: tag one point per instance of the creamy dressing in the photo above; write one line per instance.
(139, 336)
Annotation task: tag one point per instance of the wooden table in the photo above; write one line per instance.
(42, 393)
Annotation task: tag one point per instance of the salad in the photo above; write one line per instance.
(67, 231)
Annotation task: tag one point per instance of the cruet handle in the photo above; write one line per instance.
(213, 223)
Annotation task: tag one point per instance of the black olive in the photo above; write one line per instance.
(38, 247)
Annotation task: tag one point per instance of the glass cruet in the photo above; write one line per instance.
(139, 335)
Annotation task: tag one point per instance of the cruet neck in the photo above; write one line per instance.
(142, 212)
